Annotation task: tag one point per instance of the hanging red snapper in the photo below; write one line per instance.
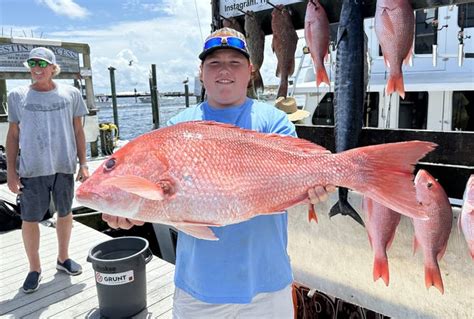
(466, 220)
(198, 174)
(381, 223)
(432, 234)
(395, 27)
(316, 33)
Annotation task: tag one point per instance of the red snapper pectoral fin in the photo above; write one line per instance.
(387, 22)
(139, 186)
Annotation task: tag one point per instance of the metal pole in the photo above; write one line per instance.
(114, 96)
(154, 97)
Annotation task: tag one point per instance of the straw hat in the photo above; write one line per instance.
(288, 105)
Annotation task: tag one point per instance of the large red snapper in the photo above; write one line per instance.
(395, 27)
(432, 234)
(316, 33)
(381, 223)
(466, 220)
(198, 174)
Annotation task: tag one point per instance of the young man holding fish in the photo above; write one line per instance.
(247, 272)
(45, 121)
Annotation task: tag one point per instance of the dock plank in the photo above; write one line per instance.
(63, 296)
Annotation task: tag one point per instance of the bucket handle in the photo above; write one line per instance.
(148, 255)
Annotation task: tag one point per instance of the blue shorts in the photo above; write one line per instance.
(37, 192)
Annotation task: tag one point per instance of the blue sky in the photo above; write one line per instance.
(164, 32)
(168, 33)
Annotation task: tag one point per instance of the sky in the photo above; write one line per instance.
(168, 33)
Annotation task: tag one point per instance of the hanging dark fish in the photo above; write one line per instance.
(233, 24)
(349, 90)
(284, 45)
(256, 44)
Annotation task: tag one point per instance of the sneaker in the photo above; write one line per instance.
(70, 267)
(32, 281)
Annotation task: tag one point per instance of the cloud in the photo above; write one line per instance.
(171, 42)
(66, 8)
(171, 39)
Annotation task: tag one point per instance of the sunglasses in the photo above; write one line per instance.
(233, 42)
(42, 64)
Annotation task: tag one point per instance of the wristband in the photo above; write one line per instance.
(84, 166)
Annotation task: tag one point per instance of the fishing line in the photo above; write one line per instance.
(199, 20)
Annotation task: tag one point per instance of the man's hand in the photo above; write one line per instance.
(82, 174)
(13, 182)
(320, 193)
(120, 222)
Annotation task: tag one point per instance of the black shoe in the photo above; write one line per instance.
(70, 267)
(32, 281)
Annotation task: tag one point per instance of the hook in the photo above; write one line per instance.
(244, 12)
(268, 2)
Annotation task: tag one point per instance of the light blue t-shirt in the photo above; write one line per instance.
(249, 257)
(47, 138)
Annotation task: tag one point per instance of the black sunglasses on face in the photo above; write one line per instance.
(42, 64)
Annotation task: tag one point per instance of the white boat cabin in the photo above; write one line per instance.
(439, 84)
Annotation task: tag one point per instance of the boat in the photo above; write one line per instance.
(145, 99)
(332, 261)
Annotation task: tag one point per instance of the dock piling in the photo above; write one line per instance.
(186, 92)
(114, 96)
(154, 98)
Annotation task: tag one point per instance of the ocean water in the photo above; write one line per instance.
(135, 117)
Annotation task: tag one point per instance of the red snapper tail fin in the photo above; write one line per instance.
(381, 269)
(395, 84)
(433, 278)
(385, 173)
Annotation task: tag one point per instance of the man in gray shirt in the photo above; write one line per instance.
(45, 122)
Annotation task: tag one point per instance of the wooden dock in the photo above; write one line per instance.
(63, 296)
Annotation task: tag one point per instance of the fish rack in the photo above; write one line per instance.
(334, 256)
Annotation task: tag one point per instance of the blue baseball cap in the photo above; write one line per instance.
(225, 38)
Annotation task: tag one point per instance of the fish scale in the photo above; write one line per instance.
(198, 174)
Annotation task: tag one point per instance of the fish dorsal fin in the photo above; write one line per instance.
(301, 144)
(141, 186)
(280, 140)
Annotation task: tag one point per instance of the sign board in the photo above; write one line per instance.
(13, 55)
(232, 8)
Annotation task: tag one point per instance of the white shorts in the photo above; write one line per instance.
(278, 304)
